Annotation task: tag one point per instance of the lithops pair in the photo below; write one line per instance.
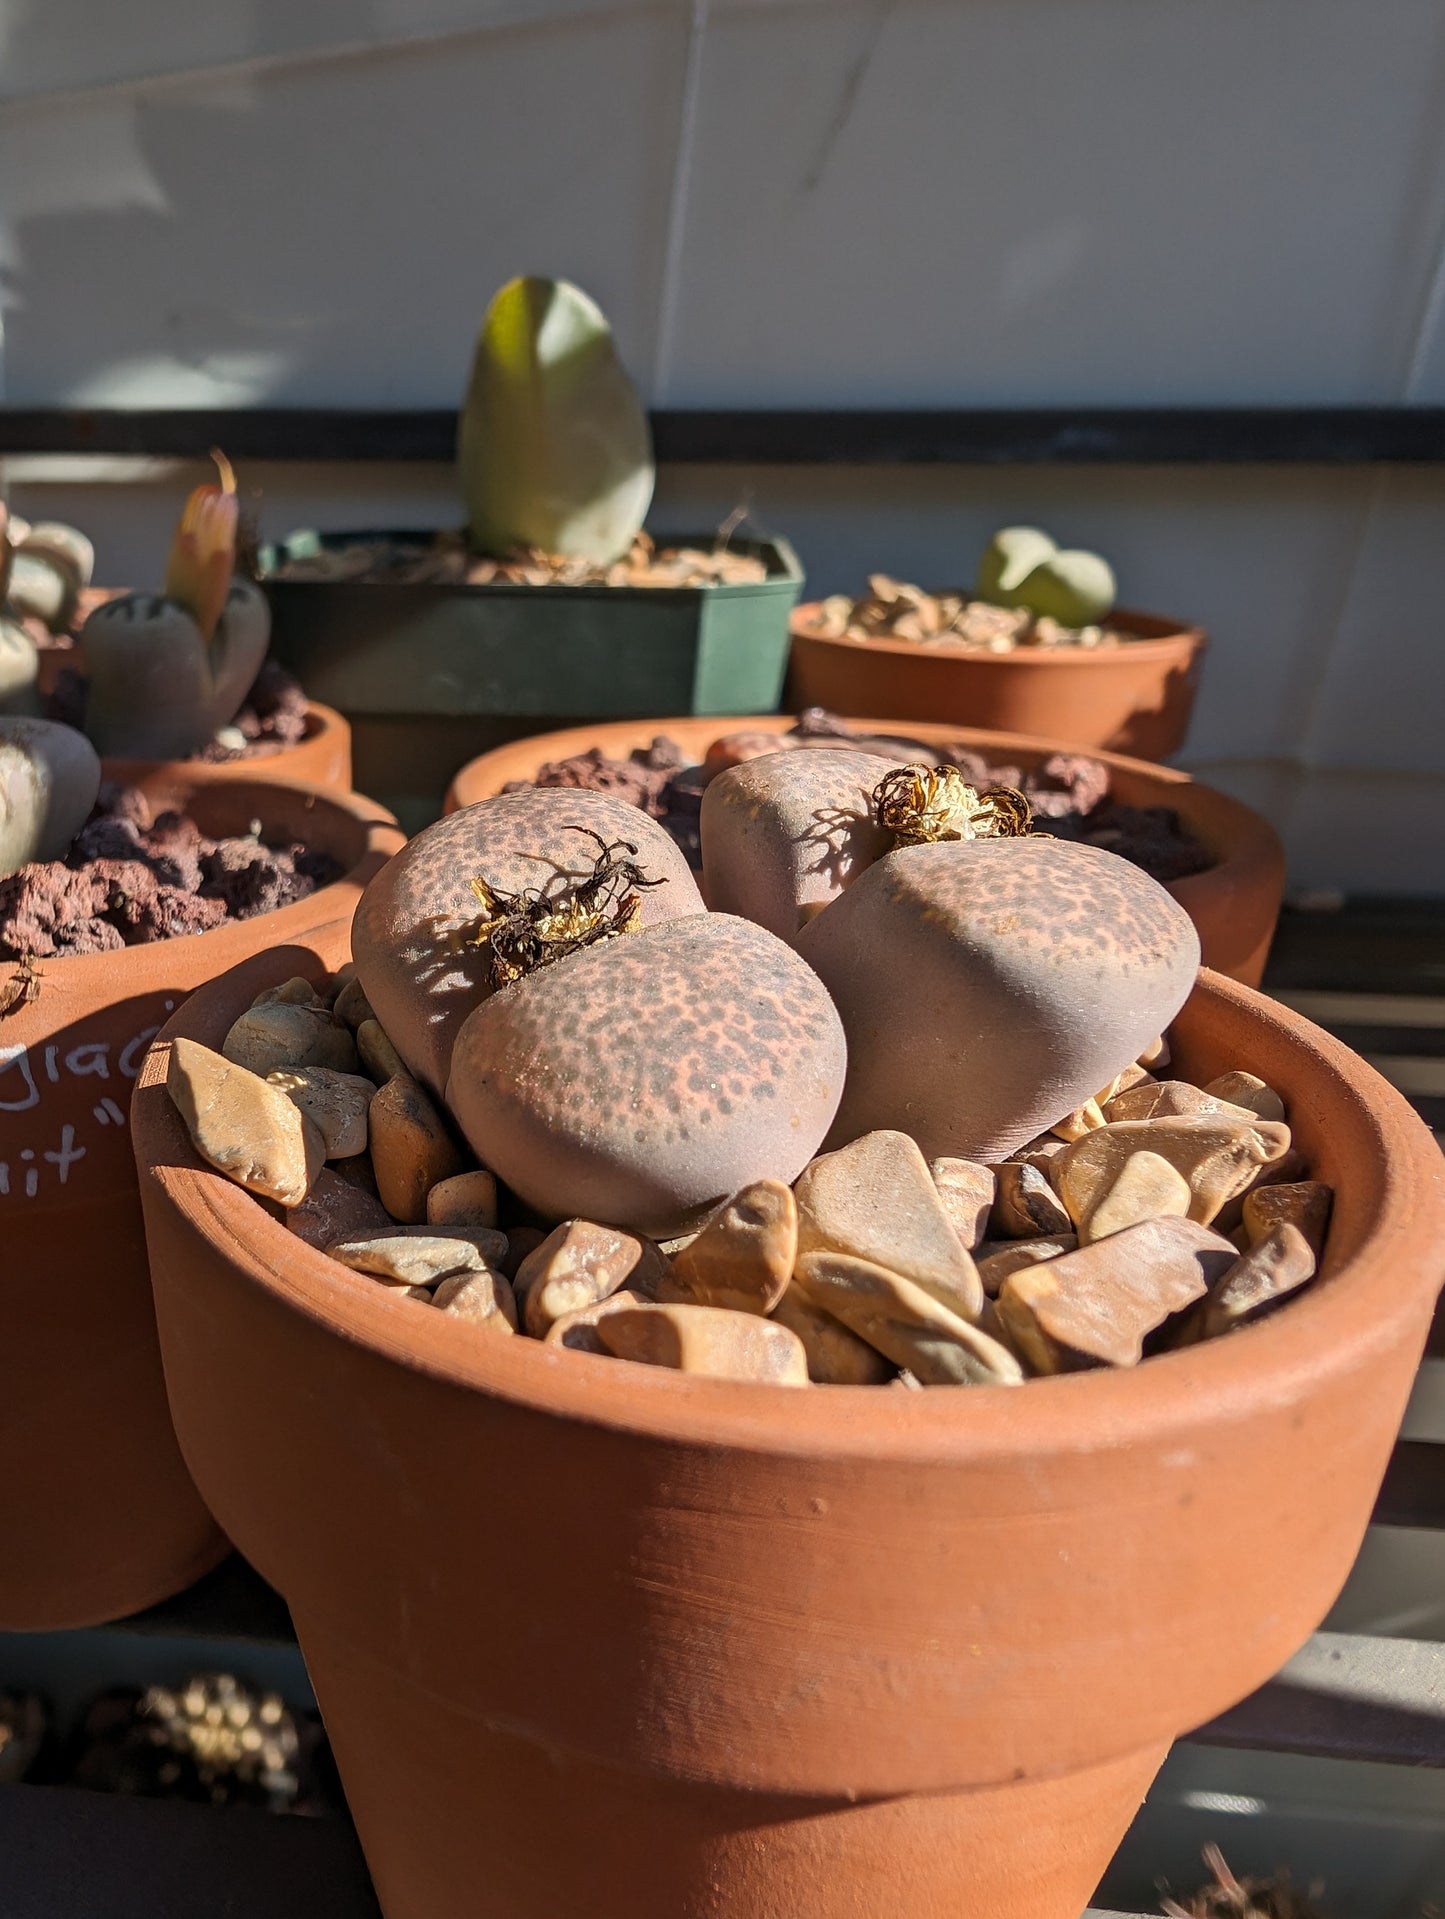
(1022, 567)
(49, 777)
(666, 1059)
(988, 983)
(45, 569)
(167, 671)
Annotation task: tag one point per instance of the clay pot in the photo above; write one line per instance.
(608, 1639)
(97, 1514)
(321, 758)
(1234, 904)
(1134, 699)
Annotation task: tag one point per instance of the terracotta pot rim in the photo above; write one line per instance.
(381, 840)
(1075, 1413)
(320, 721)
(1175, 641)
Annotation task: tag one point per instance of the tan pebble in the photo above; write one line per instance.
(352, 1005)
(743, 1257)
(411, 1149)
(282, 1034)
(1144, 1187)
(335, 1103)
(1010, 1255)
(336, 1209)
(1273, 1268)
(466, 1199)
(521, 1241)
(1155, 1054)
(967, 1191)
(909, 1382)
(670, 1248)
(1166, 1099)
(291, 992)
(485, 1298)
(905, 1324)
(378, 1055)
(1096, 1306)
(244, 1128)
(1289, 1170)
(1124, 1082)
(1218, 1156)
(1084, 1119)
(578, 1331)
(417, 1259)
(836, 1357)
(1027, 1207)
(1248, 1090)
(707, 1340)
(1304, 1204)
(1043, 1152)
(577, 1264)
(876, 1200)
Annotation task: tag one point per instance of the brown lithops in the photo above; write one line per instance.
(989, 988)
(414, 929)
(789, 832)
(645, 1080)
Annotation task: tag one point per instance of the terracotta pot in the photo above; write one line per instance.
(321, 758)
(98, 1515)
(613, 1640)
(1134, 699)
(1234, 904)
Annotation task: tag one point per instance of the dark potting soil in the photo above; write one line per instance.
(272, 717)
(133, 876)
(1069, 792)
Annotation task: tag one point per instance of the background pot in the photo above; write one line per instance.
(1234, 904)
(607, 1639)
(430, 674)
(1133, 699)
(97, 1514)
(321, 758)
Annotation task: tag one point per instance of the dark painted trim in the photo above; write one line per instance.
(1111, 436)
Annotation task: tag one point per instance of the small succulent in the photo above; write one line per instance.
(1023, 567)
(168, 670)
(19, 659)
(50, 568)
(553, 446)
(49, 777)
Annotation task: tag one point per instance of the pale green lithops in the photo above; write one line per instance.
(417, 930)
(51, 566)
(784, 834)
(989, 987)
(1023, 567)
(553, 446)
(49, 777)
(644, 1080)
(19, 670)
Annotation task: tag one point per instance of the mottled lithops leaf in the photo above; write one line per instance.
(1009, 558)
(414, 929)
(641, 1082)
(554, 449)
(988, 988)
(49, 777)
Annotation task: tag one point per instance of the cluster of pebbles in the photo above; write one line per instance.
(893, 610)
(891, 1115)
(447, 560)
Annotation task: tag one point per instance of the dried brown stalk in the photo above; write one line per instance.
(919, 804)
(21, 989)
(1231, 1898)
(522, 932)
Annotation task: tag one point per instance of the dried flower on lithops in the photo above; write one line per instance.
(415, 932)
(520, 932)
(988, 988)
(645, 1079)
(917, 805)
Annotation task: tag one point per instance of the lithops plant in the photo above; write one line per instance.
(51, 568)
(19, 659)
(645, 1080)
(784, 834)
(49, 777)
(1023, 567)
(168, 670)
(416, 938)
(990, 987)
(553, 446)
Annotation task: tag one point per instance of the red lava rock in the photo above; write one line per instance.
(131, 879)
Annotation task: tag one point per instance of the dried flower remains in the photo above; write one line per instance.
(521, 932)
(919, 804)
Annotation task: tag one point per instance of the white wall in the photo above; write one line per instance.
(831, 202)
